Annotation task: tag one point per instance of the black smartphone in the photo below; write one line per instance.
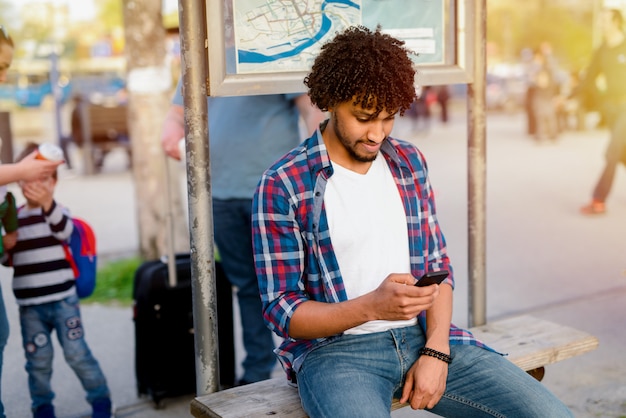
(432, 277)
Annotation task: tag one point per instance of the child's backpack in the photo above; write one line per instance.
(80, 251)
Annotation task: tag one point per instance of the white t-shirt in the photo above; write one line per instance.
(368, 231)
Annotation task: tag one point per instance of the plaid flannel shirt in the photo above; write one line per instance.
(294, 256)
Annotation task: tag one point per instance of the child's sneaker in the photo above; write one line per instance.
(101, 408)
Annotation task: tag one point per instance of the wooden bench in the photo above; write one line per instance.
(98, 129)
(531, 343)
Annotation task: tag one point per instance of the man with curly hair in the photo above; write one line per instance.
(342, 226)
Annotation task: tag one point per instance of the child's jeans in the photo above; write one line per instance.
(38, 322)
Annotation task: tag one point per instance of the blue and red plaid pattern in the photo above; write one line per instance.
(294, 256)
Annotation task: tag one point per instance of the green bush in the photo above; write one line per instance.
(114, 283)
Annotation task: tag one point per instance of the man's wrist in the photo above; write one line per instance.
(439, 341)
(426, 351)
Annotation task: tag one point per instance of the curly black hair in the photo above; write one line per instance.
(372, 68)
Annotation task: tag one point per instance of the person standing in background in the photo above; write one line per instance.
(609, 61)
(248, 133)
(541, 58)
(443, 96)
(544, 78)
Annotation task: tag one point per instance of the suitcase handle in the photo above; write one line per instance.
(169, 225)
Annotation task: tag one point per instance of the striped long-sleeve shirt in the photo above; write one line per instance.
(42, 274)
(294, 256)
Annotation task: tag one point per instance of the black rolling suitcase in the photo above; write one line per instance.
(164, 334)
(164, 338)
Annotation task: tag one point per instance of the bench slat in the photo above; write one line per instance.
(104, 119)
(273, 397)
(529, 341)
(99, 127)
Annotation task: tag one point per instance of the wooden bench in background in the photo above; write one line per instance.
(98, 129)
(530, 343)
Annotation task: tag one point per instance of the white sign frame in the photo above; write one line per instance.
(458, 40)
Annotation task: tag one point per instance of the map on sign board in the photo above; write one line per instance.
(286, 35)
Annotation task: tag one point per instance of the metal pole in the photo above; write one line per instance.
(172, 274)
(6, 138)
(476, 165)
(56, 92)
(85, 126)
(193, 40)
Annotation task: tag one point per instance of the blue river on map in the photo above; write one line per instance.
(257, 58)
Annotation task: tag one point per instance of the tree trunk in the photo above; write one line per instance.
(149, 92)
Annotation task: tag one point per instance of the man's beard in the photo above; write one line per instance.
(351, 147)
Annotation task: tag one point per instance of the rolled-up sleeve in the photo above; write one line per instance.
(278, 253)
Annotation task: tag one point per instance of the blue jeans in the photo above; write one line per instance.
(4, 337)
(358, 375)
(614, 154)
(38, 322)
(232, 224)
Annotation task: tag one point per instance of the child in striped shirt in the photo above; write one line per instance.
(44, 287)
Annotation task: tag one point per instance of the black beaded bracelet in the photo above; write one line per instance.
(425, 351)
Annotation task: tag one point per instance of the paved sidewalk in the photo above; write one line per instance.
(543, 258)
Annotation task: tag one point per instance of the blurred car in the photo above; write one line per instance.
(97, 87)
(29, 90)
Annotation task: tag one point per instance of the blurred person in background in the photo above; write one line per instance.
(419, 111)
(544, 79)
(609, 61)
(572, 111)
(535, 61)
(544, 85)
(528, 57)
(443, 96)
(248, 133)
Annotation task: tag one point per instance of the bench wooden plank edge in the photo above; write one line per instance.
(273, 397)
(530, 342)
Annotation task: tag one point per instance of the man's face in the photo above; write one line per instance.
(356, 134)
